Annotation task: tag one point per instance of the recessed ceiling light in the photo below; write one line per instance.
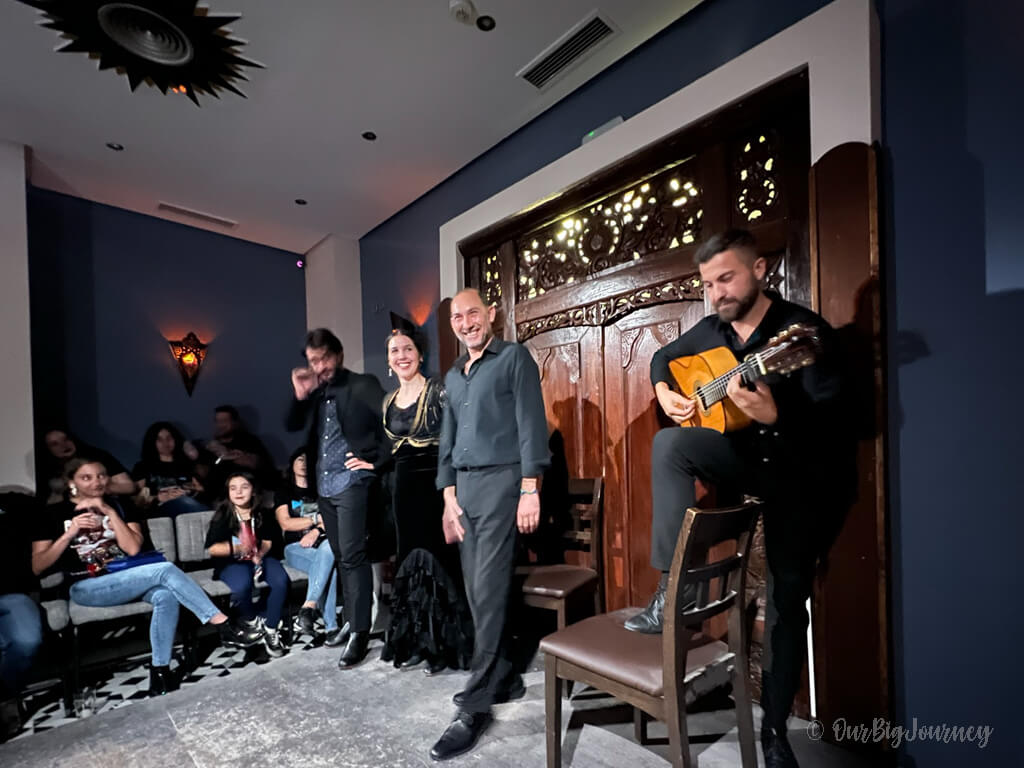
(300, 201)
(115, 146)
(485, 23)
(369, 135)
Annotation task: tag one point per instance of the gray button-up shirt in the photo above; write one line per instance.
(494, 415)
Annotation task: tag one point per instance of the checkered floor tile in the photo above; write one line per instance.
(129, 682)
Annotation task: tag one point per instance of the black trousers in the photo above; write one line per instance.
(489, 499)
(792, 530)
(345, 522)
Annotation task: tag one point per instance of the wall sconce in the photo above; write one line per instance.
(189, 353)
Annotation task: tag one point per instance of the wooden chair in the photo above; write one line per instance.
(569, 589)
(654, 673)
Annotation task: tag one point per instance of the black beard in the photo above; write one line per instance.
(737, 310)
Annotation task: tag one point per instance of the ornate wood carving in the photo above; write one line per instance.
(490, 279)
(570, 356)
(609, 310)
(756, 176)
(656, 213)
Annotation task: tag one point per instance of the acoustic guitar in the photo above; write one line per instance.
(705, 376)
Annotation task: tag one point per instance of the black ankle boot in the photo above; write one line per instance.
(162, 680)
(650, 620)
(355, 651)
(775, 746)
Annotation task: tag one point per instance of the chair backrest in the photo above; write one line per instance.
(161, 533)
(702, 530)
(586, 505)
(191, 530)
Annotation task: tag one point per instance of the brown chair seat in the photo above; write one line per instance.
(603, 645)
(557, 581)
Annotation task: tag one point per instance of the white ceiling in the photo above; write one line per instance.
(437, 93)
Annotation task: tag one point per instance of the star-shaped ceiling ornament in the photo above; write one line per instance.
(168, 44)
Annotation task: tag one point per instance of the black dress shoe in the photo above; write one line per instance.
(337, 636)
(777, 751)
(461, 736)
(162, 680)
(412, 661)
(355, 651)
(305, 621)
(515, 691)
(240, 634)
(434, 668)
(651, 619)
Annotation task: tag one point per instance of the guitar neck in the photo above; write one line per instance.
(716, 390)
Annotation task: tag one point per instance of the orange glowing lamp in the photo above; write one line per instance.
(189, 354)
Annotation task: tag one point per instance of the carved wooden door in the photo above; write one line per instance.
(571, 371)
(632, 417)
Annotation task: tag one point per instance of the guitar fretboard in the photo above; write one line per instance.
(715, 390)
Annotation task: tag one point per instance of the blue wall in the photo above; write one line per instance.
(953, 278)
(952, 79)
(109, 287)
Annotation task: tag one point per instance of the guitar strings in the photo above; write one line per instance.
(717, 387)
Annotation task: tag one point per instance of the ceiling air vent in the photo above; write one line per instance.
(568, 50)
(189, 213)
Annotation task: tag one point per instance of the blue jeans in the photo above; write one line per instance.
(179, 506)
(163, 586)
(21, 634)
(318, 562)
(239, 574)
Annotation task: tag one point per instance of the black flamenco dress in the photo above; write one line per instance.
(430, 615)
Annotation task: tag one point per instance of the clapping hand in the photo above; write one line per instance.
(305, 381)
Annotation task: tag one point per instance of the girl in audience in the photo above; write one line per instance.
(62, 447)
(90, 530)
(167, 473)
(239, 540)
(430, 617)
(306, 549)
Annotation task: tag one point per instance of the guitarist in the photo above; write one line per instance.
(790, 457)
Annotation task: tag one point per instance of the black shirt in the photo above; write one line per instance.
(224, 527)
(399, 420)
(18, 512)
(52, 522)
(494, 415)
(161, 475)
(300, 502)
(807, 436)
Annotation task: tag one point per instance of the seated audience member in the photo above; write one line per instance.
(235, 449)
(61, 447)
(239, 540)
(21, 626)
(89, 535)
(167, 473)
(306, 548)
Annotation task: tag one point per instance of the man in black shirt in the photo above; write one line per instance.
(493, 451)
(791, 456)
(346, 441)
(235, 449)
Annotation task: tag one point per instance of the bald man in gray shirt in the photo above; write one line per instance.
(494, 449)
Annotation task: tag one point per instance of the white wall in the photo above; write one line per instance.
(838, 44)
(17, 454)
(334, 294)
